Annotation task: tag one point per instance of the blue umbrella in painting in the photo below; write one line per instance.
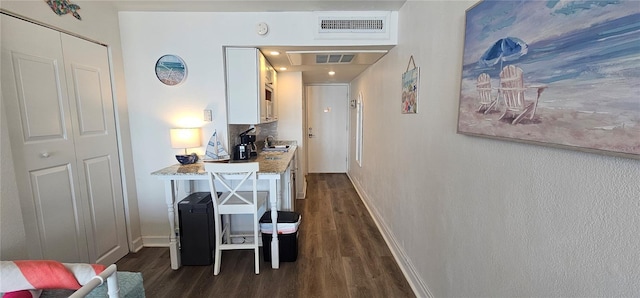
(505, 49)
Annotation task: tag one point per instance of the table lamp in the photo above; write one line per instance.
(184, 138)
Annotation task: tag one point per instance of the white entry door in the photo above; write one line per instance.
(327, 130)
(56, 90)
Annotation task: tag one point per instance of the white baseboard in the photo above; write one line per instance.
(302, 193)
(418, 286)
(155, 241)
(136, 244)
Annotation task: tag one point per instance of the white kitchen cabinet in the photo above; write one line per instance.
(251, 87)
(288, 193)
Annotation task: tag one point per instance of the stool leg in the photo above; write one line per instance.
(217, 255)
(227, 223)
(256, 230)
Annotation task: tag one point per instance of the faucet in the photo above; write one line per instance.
(268, 142)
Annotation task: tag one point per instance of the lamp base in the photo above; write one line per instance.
(187, 159)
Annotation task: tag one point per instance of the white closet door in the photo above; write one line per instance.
(34, 93)
(68, 197)
(91, 104)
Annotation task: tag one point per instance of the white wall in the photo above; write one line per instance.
(197, 37)
(291, 125)
(99, 23)
(475, 217)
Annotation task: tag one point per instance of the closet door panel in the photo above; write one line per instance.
(34, 94)
(102, 208)
(39, 97)
(61, 227)
(91, 102)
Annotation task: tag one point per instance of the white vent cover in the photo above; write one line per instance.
(334, 58)
(360, 25)
(354, 25)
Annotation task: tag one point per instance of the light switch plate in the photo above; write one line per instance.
(208, 116)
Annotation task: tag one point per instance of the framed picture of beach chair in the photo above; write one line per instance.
(557, 73)
(410, 87)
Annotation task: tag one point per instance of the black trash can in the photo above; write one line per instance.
(195, 214)
(288, 223)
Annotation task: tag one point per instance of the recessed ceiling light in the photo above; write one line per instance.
(275, 53)
(332, 73)
(283, 68)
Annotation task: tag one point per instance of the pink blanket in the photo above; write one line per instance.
(45, 274)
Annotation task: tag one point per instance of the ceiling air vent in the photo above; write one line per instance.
(371, 25)
(334, 58)
(351, 24)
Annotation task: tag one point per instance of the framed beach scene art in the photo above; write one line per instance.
(410, 86)
(557, 73)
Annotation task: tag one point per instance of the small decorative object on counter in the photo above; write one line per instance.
(187, 159)
(185, 138)
(215, 150)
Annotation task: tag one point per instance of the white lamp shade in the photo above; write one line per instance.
(185, 137)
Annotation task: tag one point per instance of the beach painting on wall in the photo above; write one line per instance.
(410, 83)
(559, 73)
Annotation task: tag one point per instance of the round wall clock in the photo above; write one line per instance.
(171, 70)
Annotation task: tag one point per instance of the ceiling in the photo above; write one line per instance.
(257, 5)
(312, 73)
(304, 59)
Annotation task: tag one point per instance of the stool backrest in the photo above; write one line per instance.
(231, 177)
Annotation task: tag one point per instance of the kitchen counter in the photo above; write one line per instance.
(274, 162)
(274, 170)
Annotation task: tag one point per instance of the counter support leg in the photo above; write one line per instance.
(174, 253)
(273, 199)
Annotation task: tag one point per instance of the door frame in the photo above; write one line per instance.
(306, 122)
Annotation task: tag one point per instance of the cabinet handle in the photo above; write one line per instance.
(45, 155)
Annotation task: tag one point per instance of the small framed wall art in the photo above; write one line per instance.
(410, 85)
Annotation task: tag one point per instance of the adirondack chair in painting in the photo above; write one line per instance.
(483, 86)
(512, 90)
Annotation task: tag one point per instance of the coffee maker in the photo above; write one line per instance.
(251, 141)
(246, 148)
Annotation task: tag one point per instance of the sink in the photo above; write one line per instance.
(283, 148)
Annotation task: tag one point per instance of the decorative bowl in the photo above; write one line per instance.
(187, 159)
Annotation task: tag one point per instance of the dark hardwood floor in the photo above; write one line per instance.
(341, 253)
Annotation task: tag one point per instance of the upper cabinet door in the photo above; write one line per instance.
(248, 100)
